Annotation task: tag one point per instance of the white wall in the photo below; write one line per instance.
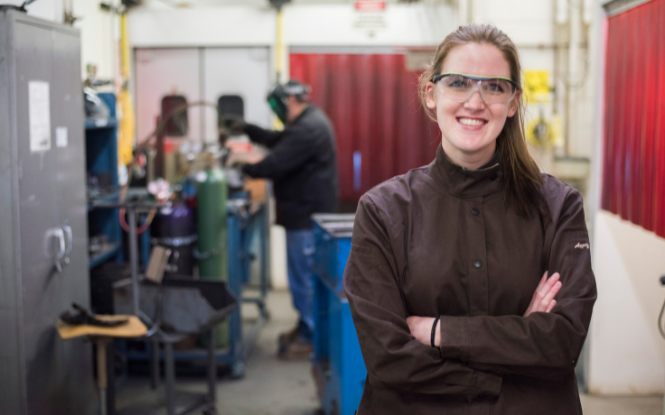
(99, 30)
(333, 25)
(100, 33)
(304, 25)
(627, 354)
(213, 26)
(51, 10)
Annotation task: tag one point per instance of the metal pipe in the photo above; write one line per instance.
(462, 12)
(279, 46)
(573, 58)
(474, 12)
(587, 15)
(555, 61)
(124, 47)
(212, 367)
(154, 367)
(170, 378)
(265, 254)
(133, 259)
(101, 343)
(561, 16)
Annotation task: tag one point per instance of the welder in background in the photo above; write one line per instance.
(302, 164)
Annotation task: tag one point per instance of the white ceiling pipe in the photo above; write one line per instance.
(588, 11)
(462, 12)
(561, 11)
(573, 50)
(573, 63)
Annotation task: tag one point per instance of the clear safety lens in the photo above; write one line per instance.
(492, 90)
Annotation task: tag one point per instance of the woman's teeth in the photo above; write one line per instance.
(469, 121)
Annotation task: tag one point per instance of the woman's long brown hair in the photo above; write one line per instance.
(522, 179)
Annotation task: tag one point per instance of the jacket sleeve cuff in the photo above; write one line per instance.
(489, 384)
(251, 130)
(248, 169)
(454, 338)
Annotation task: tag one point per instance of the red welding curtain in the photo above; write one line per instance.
(634, 130)
(372, 102)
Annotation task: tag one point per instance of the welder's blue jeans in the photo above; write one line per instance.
(300, 258)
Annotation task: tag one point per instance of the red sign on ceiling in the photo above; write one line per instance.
(370, 6)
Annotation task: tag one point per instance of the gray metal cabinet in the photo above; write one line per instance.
(43, 211)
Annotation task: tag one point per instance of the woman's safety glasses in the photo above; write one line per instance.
(459, 87)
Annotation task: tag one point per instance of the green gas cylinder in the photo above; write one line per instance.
(212, 192)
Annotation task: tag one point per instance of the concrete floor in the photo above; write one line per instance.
(274, 387)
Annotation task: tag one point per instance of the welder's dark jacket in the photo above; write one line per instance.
(438, 241)
(302, 165)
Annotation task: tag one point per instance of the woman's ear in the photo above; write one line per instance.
(514, 103)
(430, 98)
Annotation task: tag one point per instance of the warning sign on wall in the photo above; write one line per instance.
(536, 86)
(370, 14)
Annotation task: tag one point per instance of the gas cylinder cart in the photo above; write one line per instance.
(218, 242)
(181, 304)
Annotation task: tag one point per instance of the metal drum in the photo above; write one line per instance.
(175, 228)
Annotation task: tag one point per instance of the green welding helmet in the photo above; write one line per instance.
(278, 97)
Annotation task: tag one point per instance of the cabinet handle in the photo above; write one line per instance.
(55, 233)
(61, 243)
(62, 249)
(68, 242)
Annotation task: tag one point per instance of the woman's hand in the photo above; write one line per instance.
(543, 298)
(421, 329)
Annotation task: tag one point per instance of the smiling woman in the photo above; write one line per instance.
(485, 52)
(448, 273)
(469, 123)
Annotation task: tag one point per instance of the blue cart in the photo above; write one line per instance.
(338, 364)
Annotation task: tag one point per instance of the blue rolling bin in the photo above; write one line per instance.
(338, 364)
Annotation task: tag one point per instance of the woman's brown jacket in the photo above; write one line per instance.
(439, 241)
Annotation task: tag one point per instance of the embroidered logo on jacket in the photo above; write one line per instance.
(582, 246)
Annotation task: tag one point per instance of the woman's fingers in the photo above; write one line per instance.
(542, 298)
(538, 293)
(542, 282)
(551, 281)
(542, 291)
(543, 288)
(551, 306)
(545, 302)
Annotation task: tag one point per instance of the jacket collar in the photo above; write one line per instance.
(464, 183)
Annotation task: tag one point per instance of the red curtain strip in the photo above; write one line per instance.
(373, 104)
(634, 129)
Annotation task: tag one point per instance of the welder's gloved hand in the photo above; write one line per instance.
(83, 316)
(234, 124)
(238, 165)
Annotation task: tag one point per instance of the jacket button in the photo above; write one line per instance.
(477, 264)
(475, 212)
(493, 176)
